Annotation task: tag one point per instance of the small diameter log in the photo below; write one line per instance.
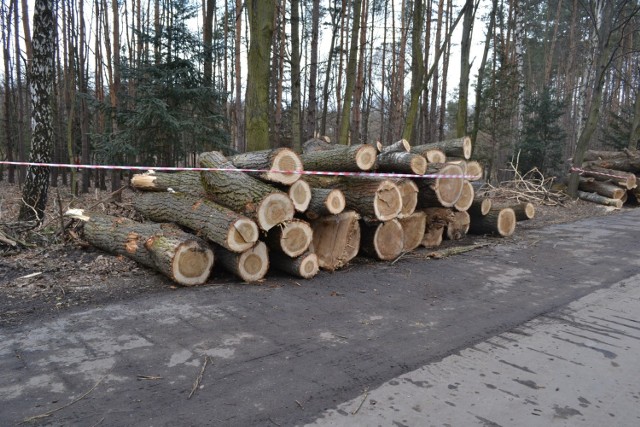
(624, 179)
(336, 239)
(409, 194)
(592, 155)
(445, 190)
(280, 159)
(182, 182)
(351, 158)
(300, 195)
(626, 163)
(413, 228)
(398, 146)
(250, 265)
(601, 200)
(325, 201)
(466, 197)
(244, 194)
(180, 256)
(480, 206)
(459, 147)
(603, 188)
(402, 162)
(374, 198)
(217, 223)
(382, 240)
(497, 221)
(305, 266)
(475, 172)
(458, 226)
(524, 211)
(317, 144)
(292, 238)
(435, 156)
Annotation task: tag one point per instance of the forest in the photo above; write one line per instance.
(157, 82)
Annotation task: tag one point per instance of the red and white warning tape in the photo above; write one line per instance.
(582, 171)
(174, 169)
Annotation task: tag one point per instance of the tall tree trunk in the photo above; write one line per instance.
(383, 76)
(115, 89)
(207, 41)
(397, 94)
(445, 71)
(327, 79)
(345, 121)
(312, 106)
(22, 101)
(84, 110)
(359, 87)
(8, 119)
(465, 68)
(261, 16)
(240, 141)
(433, 110)
(34, 194)
(296, 122)
(417, 71)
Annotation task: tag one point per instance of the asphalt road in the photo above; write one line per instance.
(293, 355)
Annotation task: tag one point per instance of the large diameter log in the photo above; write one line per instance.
(382, 240)
(413, 228)
(209, 219)
(351, 158)
(623, 164)
(443, 190)
(409, 194)
(336, 239)
(277, 162)
(181, 182)
(458, 226)
(497, 221)
(317, 144)
(624, 179)
(398, 146)
(594, 155)
(325, 201)
(480, 206)
(466, 197)
(373, 198)
(432, 236)
(305, 266)
(524, 211)
(291, 238)
(601, 200)
(603, 188)
(459, 147)
(180, 256)
(250, 265)
(300, 195)
(244, 194)
(402, 162)
(436, 220)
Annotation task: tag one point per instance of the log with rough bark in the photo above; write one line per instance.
(182, 257)
(250, 265)
(280, 160)
(382, 240)
(591, 155)
(626, 164)
(603, 188)
(300, 195)
(480, 206)
(325, 201)
(401, 162)
(466, 197)
(409, 194)
(398, 146)
(291, 238)
(351, 158)
(374, 198)
(181, 182)
(413, 228)
(244, 194)
(524, 211)
(209, 219)
(497, 221)
(336, 239)
(305, 266)
(432, 154)
(459, 147)
(317, 144)
(601, 200)
(445, 190)
(624, 179)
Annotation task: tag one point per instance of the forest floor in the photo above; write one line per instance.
(60, 273)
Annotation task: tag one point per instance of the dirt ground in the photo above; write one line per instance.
(63, 273)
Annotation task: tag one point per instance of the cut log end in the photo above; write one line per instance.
(506, 222)
(275, 209)
(474, 171)
(524, 211)
(335, 202)
(386, 242)
(242, 235)
(466, 197)
(366, 157)
(418, 165)
(285, 160)
(466, 147)
(388, 201)
(143, 181)
(300, 195)
(295, 238)
(413, 228)
(254, 263)
(449, 185)
(336, 239)
(435, 156)
(192, 264)
(409, 194)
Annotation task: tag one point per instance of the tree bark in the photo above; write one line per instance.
(244, 194)
(459, 147)
(345, 121)
(305, 266)
(402, 162)
(525, 211)
(603, 188)
(336, 239)
(352, 158)
(398, 146)
(623, 179)
(181, 182)
(497, 221)
(601, 200)
(208, 219)
(312, 106)
(296, 121)
(324, 202)
(480, 207)
(280, 159)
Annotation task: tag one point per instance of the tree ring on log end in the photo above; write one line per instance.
(388, 201)
(309, 267)
(449, 189)
(388, 240)
(242, 235)
(296, 238)
(300, 194)
(366, 157)
(285, 160)
(275, 209)
(192, 265)
(254, 263)
(506, 222)
(466, 147)
(336, 201)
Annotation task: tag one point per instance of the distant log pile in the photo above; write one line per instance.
(610, 178)
(278, 216)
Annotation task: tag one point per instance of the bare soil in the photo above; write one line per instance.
(60, 271)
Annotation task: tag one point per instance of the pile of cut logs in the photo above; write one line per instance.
(609, 177)
(258, 209)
